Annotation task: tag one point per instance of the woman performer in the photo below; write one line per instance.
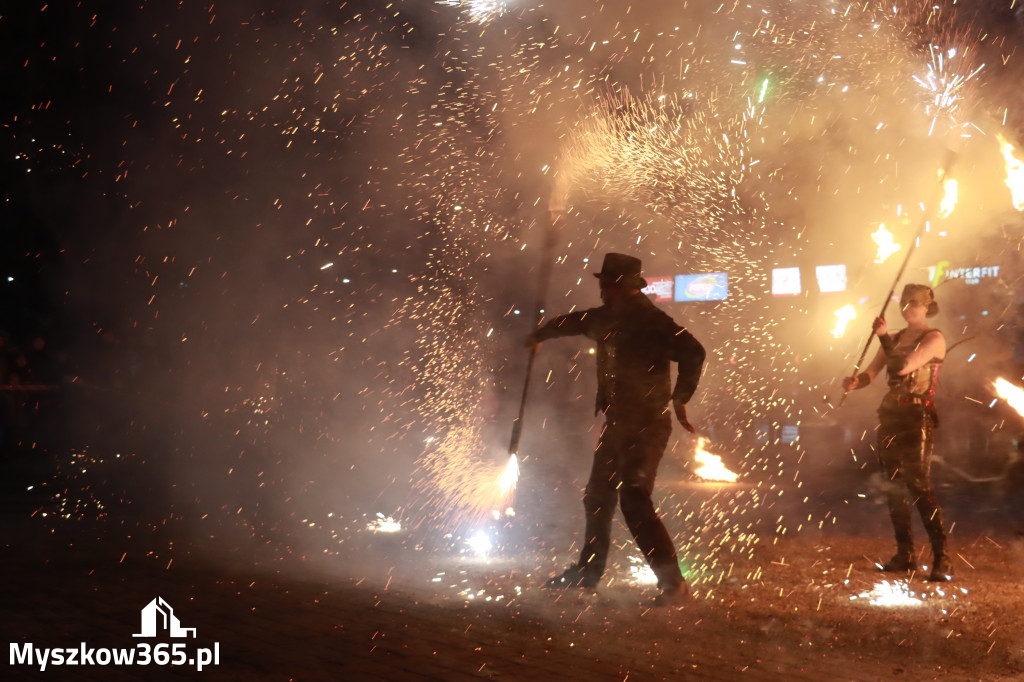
(912, 358)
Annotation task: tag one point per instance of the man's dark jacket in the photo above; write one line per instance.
(636, 343)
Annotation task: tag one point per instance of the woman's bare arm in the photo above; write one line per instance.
(932, 346)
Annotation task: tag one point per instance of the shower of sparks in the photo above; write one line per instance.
(384, 524)
(950, 194)
(508, 479)
(1014, 172)
(480, 544)
(479, 10)
(844, 316)
(1012, 394)
(945, 82)
(640, 572)
(894, 594)
(673, 142)
(886, 243)
(712, 468)
(659, 151)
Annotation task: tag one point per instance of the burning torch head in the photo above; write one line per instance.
(623, 270)
(919, 294)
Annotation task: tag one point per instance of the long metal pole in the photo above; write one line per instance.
(947, 165)
(555, 219)
(543, 281)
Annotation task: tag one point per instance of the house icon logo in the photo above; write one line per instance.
(158, 617)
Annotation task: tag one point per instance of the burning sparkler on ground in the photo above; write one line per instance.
(384, 524)
(896, 593)
(712, 468)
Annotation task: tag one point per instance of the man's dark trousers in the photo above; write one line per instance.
(625, 465)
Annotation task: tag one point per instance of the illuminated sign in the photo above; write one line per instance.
(786, 282)
(660, 288)
(973, 275)
(831, 278)
(711, 286)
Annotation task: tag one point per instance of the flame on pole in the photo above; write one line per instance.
(557, 204)
(1014, 173)
(1013, 395)
(844, 316)
(509, 476)
(886, 243)
(951, 193)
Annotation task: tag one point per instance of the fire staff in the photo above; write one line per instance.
(636, 344)
(912, 358)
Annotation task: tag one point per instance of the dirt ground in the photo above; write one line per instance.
(378, 606)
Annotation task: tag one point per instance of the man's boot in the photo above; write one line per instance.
(942, 566)
(572, 577)
(902, 561)
(673, 596)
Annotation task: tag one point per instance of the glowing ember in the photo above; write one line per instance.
(844, 316)
(384, 524)
(949, 198)
(1013, 395)
(886, 244)
(890, 594)
(1014, 173)
(712, 468)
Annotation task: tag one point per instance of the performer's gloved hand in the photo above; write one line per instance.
(861, 380)
(531, 342)
(880, 328)
(680, 409)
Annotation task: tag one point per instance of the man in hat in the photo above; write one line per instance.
(636, 344)
(912, 358)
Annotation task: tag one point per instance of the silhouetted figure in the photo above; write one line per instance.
(636, 344)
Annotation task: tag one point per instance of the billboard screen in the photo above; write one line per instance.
(831, 278)
(660, 288)
(972, 275)
(786, 282)
(709, 286)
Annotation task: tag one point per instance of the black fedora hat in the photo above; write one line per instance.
(622, 269)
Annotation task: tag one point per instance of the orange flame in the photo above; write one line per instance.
(712, 468)
(844, 316)
(886, 243)
(1014, 173)
(509, 477)
(949, 198)
(1013, 395)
